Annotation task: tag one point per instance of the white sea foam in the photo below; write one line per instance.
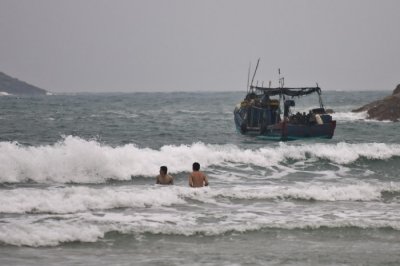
(48, 234)
(46, 231)
(322, 192)
(82, 161)
(3, 93)
(352, 116)
(360, 191)
(77, 199)
(349, 116)
(61, 200)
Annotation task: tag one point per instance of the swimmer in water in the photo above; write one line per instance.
(197, 178)
(163, 178)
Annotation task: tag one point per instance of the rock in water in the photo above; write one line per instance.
(387, 108)
(397, 90)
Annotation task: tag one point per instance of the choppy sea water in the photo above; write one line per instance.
(77, 184)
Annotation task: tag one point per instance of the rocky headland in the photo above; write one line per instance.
(10, 85)
(387, 108)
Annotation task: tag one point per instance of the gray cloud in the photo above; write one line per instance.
(69, 46)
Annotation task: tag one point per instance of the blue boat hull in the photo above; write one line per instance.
(285, 130)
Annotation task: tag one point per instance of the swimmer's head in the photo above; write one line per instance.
(196, 166)
(163, 170)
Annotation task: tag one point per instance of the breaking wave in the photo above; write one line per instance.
(87, 161)
(352, 116)
(349, 116)
(63, 200)
(91, 228)
(78, 199)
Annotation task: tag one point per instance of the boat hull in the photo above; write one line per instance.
(286, 130)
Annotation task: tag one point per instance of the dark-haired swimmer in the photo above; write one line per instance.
(197, 178)
(163, 178)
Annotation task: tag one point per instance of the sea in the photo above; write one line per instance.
(77, 183)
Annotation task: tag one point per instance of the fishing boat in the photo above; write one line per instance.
(260, 113)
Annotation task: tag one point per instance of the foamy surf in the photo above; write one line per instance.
(88, 161)
(52, 231)
(349, 116)
(352, 116)
(63, 200)
(77, 199)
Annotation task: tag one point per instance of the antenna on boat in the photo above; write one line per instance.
(255, 71)
(279, 77)
(281, 80)
(248, 78)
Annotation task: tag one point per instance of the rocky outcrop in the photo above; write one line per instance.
(397, 90)
(14, 86)
(387, 108)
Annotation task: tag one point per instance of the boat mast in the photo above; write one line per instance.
(281, 96)
(248, 78)
(281, 85)
(255, 71)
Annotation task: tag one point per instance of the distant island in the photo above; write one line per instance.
(387, 108)
(10, 85)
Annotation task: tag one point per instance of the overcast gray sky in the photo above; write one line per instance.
(174, 45)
